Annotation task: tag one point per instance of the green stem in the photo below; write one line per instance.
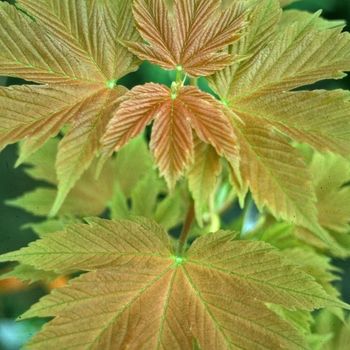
(193, 81)
(178, 75)
(185, 230)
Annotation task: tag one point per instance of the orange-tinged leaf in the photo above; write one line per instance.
(171, 141)
(207, 117)
(190, 39)
(143, 104)
(73, 49)
(139, 294)
(174, 113)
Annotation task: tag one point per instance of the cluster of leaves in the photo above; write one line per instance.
(138, 287)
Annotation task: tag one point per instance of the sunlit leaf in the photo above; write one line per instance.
(215, 293)
(257, 92)
(174, 114)
(67, 47)
(189, 39)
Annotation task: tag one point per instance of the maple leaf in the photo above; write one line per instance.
(139, 293)
(286, 2)
(330, 174)
(189, 39)
(72, 49)
(202, 174)
(88, 197)
(174, 113)
(257, 90)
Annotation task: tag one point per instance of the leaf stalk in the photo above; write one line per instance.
(185, 230)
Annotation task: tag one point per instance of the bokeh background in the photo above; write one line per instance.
(16, 298)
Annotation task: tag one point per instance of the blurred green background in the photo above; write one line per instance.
(13, 182)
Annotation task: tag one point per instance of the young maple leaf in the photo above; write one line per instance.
(71, 49)
(190, 39)
(175, 113)
(139, 294)
(257, 90)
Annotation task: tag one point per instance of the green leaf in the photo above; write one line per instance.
(76, 58)
(144, 195)
(88, 197)
(216, 293)
(132, 163)
(29, 273)
(265, 111)
(202, 175)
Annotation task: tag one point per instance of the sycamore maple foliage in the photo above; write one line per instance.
(172, 298)
(139, 288)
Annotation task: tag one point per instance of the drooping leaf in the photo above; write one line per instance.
(286, 2)
(170, 211)
(276, 175)
(144, 195)
(88, 196)
(71, 47)
(29, 273)
(291, 16)
(257, 91)
(337, 329)
(330, 174)
(175, 112)
(139, 293)
(202, 174)
(132, 163)
(48, 226)
(189, 39)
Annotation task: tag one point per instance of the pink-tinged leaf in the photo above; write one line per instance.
(212, 126)
(154, 24)
(171, 141)
(174, 114)
(142, 105)
(190, 39)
